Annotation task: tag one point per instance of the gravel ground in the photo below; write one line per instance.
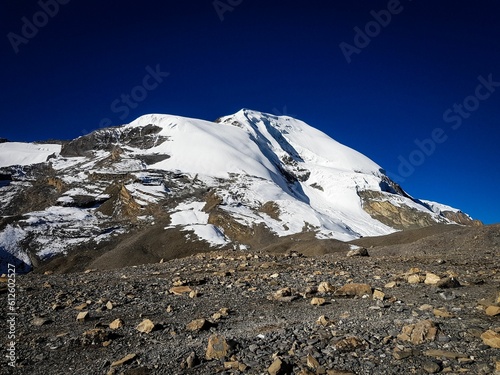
(425, 310)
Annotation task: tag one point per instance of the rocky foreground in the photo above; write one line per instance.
(431, 305)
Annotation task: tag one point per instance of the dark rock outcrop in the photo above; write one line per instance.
(107, 139)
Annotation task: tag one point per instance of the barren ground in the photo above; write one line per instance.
(410, 328)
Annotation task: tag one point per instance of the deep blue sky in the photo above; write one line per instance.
(281, 57)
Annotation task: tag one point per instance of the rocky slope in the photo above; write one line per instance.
(418, 302)
(166, 186)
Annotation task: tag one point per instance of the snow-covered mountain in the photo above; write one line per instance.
(165, 183)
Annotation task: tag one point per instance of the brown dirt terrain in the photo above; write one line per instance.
(431, 306)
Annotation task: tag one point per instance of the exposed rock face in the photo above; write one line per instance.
(402, 217)
(272, 209)
(461, 218)
(106, 140)
(57, 183)
(232, 228)
(121, 205)
(212, 201)
(38, 190)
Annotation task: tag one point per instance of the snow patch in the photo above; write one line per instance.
(191, 218)
(439, 207)
(18, 153)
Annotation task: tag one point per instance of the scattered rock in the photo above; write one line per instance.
(325, 287)
(39, 321)
(192, 360)
(359, 252)
(316, 301)
(57, 306)
(242, 367)
(309, 291)
(418, 333)
(193, 294)
(353, 290)
(277, 367)
(431, 367)
(217, 347)
(109, 305)
(431, 278)
(324, 321)
(128, 358)
(442, 313)
(180, 290)
(283, 295)
(216, 316)
(414, 279)
(146, 326)
(350, 344)
(81, 306)
(448, 282)
(312, 362)
(492, 310)
(491, 338)
(115, 324)
(378, 295)
(223, 312)
(196, 325)
(82, 316)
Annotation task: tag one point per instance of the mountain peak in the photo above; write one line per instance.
(244, 180)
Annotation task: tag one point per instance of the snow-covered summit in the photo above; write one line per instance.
(312, 179)
(296, 136)
(281, 135)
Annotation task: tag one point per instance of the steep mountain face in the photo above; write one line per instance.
(165, 186)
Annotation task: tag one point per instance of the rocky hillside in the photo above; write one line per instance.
(413, 302)
(166, 186)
